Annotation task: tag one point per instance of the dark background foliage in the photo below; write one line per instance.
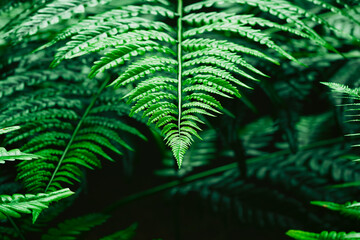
(253, 177)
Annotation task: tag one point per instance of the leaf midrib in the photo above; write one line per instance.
(179, 58)
(86, 113)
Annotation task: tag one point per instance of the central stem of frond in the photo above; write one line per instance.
(179, 57)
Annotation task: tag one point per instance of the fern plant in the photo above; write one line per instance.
(17, 204)
(175, 63)
(185, 65)
(348, 209)
(14, 154)
(65, 129)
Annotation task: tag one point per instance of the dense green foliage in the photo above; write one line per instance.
(232, 87)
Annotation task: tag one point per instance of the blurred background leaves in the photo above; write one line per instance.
(253, 176)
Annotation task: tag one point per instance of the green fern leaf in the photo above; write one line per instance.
(120, 55)
(51, 14)
(15, 205)
(243, 31)
(302, 235)
(221, 63)
(225, 55)
(15, 154)
(341, 88)
(8, 129)
(334, 9)
(108, 29)
(192, 45)
(59, 124)
(125, 38)
(349, 209)
(111, 16)
(172, 88)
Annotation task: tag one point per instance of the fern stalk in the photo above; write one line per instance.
(179, 58)
(76, 131)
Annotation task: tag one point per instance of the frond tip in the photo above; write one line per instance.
(179, 145)
(341, 88)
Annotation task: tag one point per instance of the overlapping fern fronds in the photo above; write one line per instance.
(41, 13)
(69, 125)
(350, 209)
(351, 107)
(18, 204)
(274, 178)
(184, 67)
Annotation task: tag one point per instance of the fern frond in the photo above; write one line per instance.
(225, 55)
(200, 19)
(149, 9)
(36, 127)
(302, 235)
(113, 124)
(8, 129)
(58, 123)
(243, 31)
(352, 93)
(20, 80)
(341, 88)
(334, 9)
(281, 9)
(111, 16)
(134, 36)
(15, 205)
(350, 209)
(219, 62)
(194, 44)
(211, 74)
(39, 116)
(120, 55)
(70, 229)
(90, 36)
(15, 154)
(210, 18)
(144, 67)
(151, 85)
(106, 132)
(51, 14)
(8, 6)
(174, 93)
